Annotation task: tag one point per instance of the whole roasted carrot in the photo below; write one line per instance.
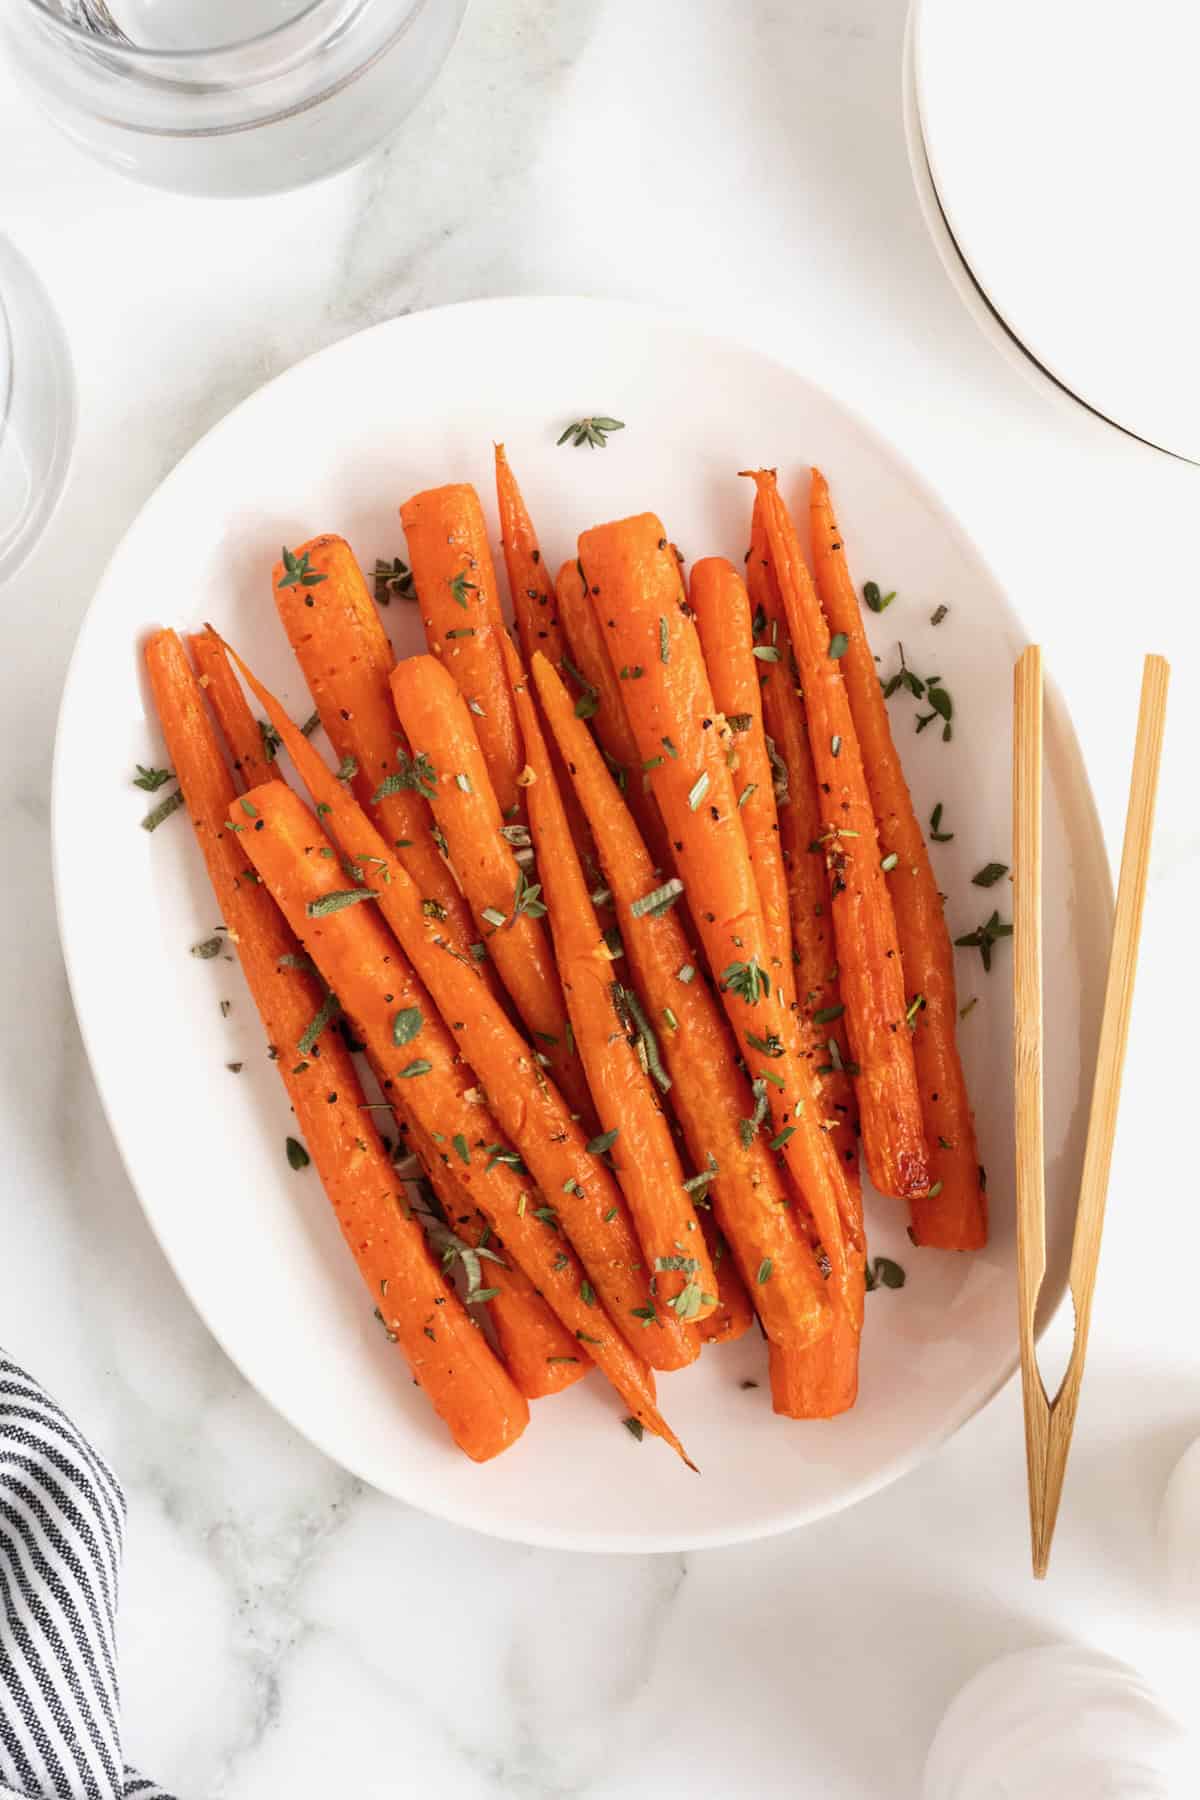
(710, 1095)
(864, 923)
(530, 1110)
(448, 1356)
(353, 947)
(953, 1214)
(460, 606)
(820, 1013)
(333, 626)
(537, 1350)
(540, 1354)
(507, 907)
(635, 1132)
(534, 598)
(719, 601)
(634, 582)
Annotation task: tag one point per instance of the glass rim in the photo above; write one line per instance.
(143, 53)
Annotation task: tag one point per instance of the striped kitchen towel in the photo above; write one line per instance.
(62, 1525)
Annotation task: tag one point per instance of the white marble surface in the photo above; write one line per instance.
(285, 1631)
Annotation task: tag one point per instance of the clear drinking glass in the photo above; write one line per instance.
(37, 409)
(228, 96)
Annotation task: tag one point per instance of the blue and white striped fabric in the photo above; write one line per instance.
(62, 1526)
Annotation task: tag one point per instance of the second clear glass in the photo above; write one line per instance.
(303, 99)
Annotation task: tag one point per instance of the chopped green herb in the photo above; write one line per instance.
(984, 937)
(393, 578)
(748, 980)
(686, 974)
(297, 1155)
(664, 641)
(461, 1145)
(406, 1025)
(417, 773)
(310, 724)
(695, 1184)
(338, 900)
(150, 780)
(935, 826)
(587, 1293)
(970, 1006)
(207, 949)
(781, 1137)
(463, 631)
(634, 1427)
(493, 916)
(420, 1067)
(669, 1019)
(658, 900)
(163, 810)
(875, 600)
(460, 587)
(347, 768)
(738, 722)
(938, 614)
(839, 643)
(669, 747)
(766, 653)
(463, 783)
(646, 1314)
(298, 573)
(271, 740)
(888, 862)
(598, 1145)
(330, 1007)
(828, 1014)
(884, 1273)
(751, 787)
(764, 1270)
(835, 745)
(990, 874)
(593, 432)
(768, 1046)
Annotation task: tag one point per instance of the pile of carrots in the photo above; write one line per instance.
(637, 931)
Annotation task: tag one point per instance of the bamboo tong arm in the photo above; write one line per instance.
(1049, 1422)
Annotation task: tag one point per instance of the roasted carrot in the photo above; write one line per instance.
(606, 1024)
(540, 1354)
(819, 1010)
(358, 955)
(718, 599)
(953, 1214)
(535, 1346)
(530, 1109)
(460, 607)
(710, 1095)
(448, 1356)
(634, 583)
(734, 1315)
(334, 628)
(507, 907)
(534, 598)
(250, 744)
(864, 923)
(601, 701)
